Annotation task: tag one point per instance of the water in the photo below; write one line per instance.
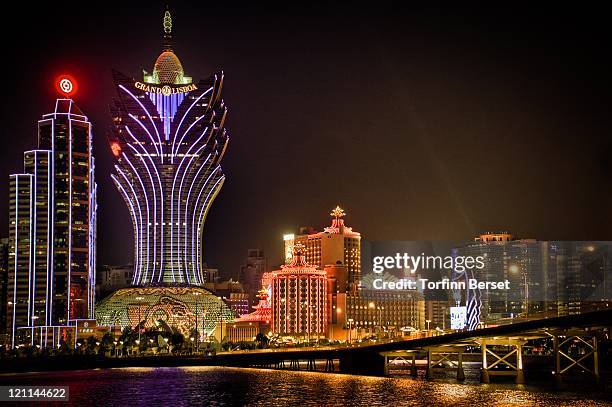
(218, 386)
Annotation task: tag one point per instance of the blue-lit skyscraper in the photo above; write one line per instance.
(168, 140)
(52, 231)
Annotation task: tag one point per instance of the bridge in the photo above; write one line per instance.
(575, 341)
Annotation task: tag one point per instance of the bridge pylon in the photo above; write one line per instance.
(511, 359)
(574, 350)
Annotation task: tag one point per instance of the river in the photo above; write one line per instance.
(218, 386)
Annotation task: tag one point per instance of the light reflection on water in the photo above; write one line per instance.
(218, 386)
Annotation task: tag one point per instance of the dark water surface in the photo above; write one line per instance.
(218, 386)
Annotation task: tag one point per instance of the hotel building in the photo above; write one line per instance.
(299, 298)
(168, 139)
(335, 245)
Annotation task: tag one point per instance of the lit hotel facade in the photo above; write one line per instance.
(52, 232)
(299, 298)
(168, 139)
(335, 245)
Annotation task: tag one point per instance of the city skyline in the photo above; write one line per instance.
(413, 206)
(429, 166)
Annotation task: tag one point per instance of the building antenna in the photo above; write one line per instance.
(167, 30)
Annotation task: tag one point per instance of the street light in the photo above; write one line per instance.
(197, 295)
(515, 269)
(350, 321)
(139, 321)
(34, 318)
(371, 305)
(428, 321)
(221, 318)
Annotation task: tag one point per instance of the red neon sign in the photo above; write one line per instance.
(66, 85)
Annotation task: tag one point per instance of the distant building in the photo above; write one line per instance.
(247, 326)
(112, 278)
(239, 303)
(547, 278)
(335, 245)
(210, 275)
(387, 311)
(251, 273)
(52, 229)
(437, 313)
(498, 237)
(3, 287)
(224, 288)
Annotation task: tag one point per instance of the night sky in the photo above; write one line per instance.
(421, 123)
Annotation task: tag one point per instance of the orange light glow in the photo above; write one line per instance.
(116, 149)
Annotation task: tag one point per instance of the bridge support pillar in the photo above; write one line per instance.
(329, 365)
(586, 359)
(413, 367)
(294, 364)
(460, 371)
(429, 371)
(515, 348)
(520, 376)
(484, 371)
(442, 358)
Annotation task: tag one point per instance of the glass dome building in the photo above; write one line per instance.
(176, 309)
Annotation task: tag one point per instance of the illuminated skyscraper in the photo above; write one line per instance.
(52, 228)
(335, 245)
(168, 140)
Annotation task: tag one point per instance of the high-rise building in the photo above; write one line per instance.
(52, 229)
(3, 287)
(168, 140)
(112, 278)
(299, 298)
(547, 278)
(251, 273)
(335, 245)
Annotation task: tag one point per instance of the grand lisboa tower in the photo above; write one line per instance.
(168, 139)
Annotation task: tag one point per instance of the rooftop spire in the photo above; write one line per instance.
(167, 30)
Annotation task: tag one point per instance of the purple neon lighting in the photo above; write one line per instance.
(161, 194)
(193, 181)
(183, 118)
(153, 143)
(167, 107)
(180, 192)
(148, 215)
(137, 232)
(202, 216)
(140, 210)
(154, 208)
(196, 206)
(178, 170)
(161, 149)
